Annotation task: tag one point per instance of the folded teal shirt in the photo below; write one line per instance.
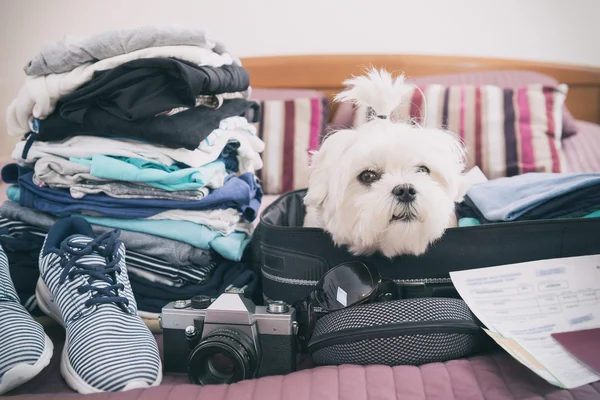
(152, 173)
(231, 247)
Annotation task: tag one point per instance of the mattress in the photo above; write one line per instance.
(492, 377)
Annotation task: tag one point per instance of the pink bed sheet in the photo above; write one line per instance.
(493, 377)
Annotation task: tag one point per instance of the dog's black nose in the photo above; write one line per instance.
(405, 193)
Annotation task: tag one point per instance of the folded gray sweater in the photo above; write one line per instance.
(71, 52)
(177, 253)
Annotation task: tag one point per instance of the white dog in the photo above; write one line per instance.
(385, 186)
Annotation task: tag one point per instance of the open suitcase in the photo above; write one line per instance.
(292, 258)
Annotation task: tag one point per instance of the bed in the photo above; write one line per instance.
(489, 376)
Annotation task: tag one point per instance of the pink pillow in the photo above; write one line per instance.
(507, 131)
(505, 79)
(291, 124)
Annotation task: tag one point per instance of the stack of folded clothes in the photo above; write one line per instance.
(531, 196)
(149, 131)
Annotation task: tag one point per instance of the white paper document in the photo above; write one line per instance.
(475, 176)
(522, 304)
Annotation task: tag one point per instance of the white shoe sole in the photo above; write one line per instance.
(74, 381)
(22, 373)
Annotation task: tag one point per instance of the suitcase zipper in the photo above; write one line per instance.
(288, 281)
(307, 282)
(344, 336)
(424, 281)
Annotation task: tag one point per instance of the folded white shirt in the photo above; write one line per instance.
(225, 221)
(236, 129)
(209, 150)
(38, 96)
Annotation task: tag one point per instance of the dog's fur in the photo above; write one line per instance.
(368, 217)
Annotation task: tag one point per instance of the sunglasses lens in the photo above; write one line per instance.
(345, 285)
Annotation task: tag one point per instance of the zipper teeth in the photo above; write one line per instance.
(422, 281)
(307, 282)
(288, 281)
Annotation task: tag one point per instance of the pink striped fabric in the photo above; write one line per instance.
(507, 131)
(291, 129)
(511, 79)
(526, 137)
(582, 151)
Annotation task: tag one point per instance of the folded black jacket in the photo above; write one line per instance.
(143, 88)
(185, 129)
(152, 297)
(573, 204)
(227, 273)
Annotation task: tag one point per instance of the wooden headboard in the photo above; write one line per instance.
(326, 73)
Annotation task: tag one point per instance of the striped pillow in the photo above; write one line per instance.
(507, 131)
(290, 130)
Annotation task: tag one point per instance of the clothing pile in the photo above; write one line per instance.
(531, 196)
(149, 131)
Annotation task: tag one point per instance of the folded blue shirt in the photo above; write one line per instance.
(152, 173)
(243, 193)
(231, 246)
(508, 199)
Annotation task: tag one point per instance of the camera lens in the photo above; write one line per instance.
(220, 365)
(224, 356)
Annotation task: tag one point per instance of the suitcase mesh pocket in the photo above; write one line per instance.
(411, 331)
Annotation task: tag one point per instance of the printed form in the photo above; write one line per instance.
(522, 304)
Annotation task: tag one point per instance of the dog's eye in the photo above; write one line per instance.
(369, 176)
(422, 168)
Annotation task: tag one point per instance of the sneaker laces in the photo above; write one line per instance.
(107, 246)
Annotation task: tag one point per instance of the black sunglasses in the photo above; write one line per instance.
(345, 285)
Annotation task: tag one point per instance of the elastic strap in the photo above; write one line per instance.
(30, 139)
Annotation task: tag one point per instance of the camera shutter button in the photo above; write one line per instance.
(278, 307)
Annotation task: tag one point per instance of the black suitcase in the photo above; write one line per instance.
(291, 259)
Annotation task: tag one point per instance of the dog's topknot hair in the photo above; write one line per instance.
(378, 89)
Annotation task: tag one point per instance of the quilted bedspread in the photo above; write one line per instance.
(495, 376)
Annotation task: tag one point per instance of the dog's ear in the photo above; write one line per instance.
(323, 162)
(463, 183)
(449, 151)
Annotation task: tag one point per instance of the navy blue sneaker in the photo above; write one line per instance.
(24, 347)
(85, 287)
